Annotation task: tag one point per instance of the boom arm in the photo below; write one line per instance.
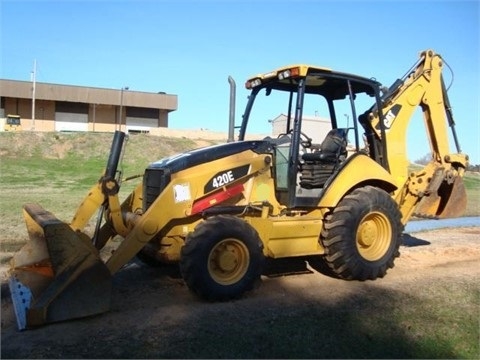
(434, 185)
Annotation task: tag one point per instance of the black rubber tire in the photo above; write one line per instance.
(362, 235)
(222, 258)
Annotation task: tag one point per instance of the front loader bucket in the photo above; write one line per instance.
(448, 201)
(57, 275)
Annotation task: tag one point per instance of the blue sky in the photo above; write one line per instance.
(189, 48)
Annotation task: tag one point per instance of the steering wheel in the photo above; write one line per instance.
(305, 141)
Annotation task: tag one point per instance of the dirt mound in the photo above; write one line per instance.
(58, 145)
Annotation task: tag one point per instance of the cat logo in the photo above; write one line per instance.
(390, 116)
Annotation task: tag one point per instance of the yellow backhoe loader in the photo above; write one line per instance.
(220, 211)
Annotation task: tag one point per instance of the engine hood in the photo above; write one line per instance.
(203, 155)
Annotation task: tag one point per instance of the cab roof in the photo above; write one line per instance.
(304, 70)
(319, 80)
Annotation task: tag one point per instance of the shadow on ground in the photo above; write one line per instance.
(154, 316)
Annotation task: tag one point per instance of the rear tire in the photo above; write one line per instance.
(362, 235)
(222, 258)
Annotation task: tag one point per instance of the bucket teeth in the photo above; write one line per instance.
(21, 298)
(58, 275)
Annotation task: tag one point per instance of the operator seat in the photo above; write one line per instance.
(319, 165)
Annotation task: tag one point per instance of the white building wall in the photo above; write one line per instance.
(140, 124)
(71, 121)
(313, 126)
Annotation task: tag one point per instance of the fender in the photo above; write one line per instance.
(350, 177)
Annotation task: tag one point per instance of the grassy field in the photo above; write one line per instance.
(57, 170)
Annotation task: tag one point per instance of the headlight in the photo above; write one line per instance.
(284, 74)
(252, 83)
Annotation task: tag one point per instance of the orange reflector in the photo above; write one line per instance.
(295, 71)
(42, 269)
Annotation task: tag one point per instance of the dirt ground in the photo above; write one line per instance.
(153, 315)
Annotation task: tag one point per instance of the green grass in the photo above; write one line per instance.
(439, 322)
(57, 170)
(472, 186)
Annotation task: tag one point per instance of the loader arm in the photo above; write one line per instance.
(105, 191)
(59, 274)
(437, 189)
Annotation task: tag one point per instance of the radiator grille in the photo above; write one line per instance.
(154, 182)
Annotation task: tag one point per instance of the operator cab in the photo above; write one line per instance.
(317, 130)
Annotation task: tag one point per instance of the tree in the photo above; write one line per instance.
(425, 159)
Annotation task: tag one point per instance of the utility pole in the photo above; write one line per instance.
(121, 107)
(34, 75)
(348, 119)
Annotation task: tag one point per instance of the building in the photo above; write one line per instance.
(314, 126)
(79, 108)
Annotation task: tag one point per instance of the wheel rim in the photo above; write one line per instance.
(374, 236)
(228, 261)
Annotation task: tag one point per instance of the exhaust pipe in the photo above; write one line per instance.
(231, 117)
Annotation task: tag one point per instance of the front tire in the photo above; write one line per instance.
(362, 235)
(222, 258)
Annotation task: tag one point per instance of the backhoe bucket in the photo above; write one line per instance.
(57, 275)
(449, 201)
